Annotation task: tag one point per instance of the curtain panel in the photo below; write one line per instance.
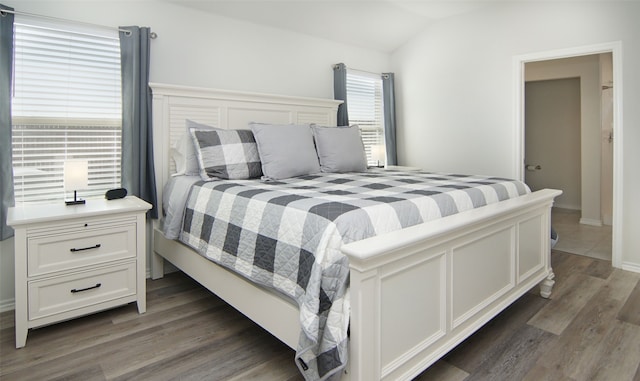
(340, 92)
(6, 165)
(389, 107)
(138, 173)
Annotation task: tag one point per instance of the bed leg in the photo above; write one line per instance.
(157, 266)
(547, 285)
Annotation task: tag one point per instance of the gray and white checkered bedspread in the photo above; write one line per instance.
(287, 235)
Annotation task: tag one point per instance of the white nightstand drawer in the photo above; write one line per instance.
(51, 253)
(66, 293)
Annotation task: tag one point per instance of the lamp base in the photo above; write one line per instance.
(75, 202)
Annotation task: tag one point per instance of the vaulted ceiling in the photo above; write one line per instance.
(383, 25)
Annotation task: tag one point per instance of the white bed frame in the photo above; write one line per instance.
(415, 293)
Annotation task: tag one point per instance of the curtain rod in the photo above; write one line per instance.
(335, 66)
(152, 35)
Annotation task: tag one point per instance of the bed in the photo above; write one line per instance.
(414, 293)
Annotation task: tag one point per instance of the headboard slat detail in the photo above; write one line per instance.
(173, 104)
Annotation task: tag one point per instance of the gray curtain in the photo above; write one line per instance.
(138, 174)
(6, 166)
(340, 92)
(389, 106)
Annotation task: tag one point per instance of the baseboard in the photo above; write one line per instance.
(168, 269)
(590, 222)
(566, 206)
(7, 305)
(634, 267)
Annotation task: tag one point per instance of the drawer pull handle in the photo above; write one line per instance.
(85, 289)
(73, 250)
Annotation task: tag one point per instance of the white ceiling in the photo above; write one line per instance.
(383, 25)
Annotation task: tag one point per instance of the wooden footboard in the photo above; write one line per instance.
(418, 292)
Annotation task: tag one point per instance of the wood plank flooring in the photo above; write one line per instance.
(588, 330)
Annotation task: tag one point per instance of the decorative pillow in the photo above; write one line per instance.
(184, 154)
(285, 150)
(340, 149)
(227, 154)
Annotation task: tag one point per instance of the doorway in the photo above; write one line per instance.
(563, 128)
(589, 213)
(552, 152)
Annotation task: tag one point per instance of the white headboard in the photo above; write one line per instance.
(173, 104)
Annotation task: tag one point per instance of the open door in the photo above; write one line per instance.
(552, 138)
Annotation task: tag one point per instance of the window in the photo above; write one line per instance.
(364, 95)
(66, 104)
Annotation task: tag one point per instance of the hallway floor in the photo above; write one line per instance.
(576, 238)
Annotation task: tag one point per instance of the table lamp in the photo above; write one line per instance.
(76, 176)
(378, 154)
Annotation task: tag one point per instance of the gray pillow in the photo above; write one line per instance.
(285, 150)
(226, 154)
(340, 149)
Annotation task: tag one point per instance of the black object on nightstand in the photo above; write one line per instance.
(113, 194)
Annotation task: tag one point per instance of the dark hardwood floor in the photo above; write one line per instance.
(588, 330)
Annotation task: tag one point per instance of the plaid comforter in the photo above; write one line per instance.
(287, 235)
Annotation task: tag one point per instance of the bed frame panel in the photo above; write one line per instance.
(470, 266)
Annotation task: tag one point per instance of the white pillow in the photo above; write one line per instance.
(285, 150)
(340, 149)
(183, 152)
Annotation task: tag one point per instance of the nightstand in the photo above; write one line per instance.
(75, 260)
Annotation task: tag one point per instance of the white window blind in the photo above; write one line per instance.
(66, 105)
(364, 97)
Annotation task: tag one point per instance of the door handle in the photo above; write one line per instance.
(532, 168)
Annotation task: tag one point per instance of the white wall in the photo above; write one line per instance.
(201, 49)
(205, 50)
(587, 68)
(455, 89)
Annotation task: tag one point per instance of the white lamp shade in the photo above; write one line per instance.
(76, 174)
(378, 153)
